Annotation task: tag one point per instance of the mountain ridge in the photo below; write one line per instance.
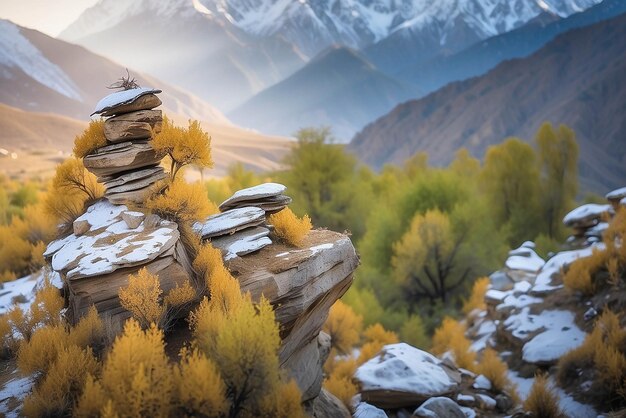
(570, 81)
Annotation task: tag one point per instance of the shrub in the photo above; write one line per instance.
(289, 228)
(450, 336)
(579, 276)
(343, 326)
(180, 296)
(494, 369)
(180, 201)
(209, 265)
(541, 401)
(343, 388)
(477, 298)
(142, 298)
(183, 146)
(91, 139)
(199, 386)
(136, 378)
(62, 384)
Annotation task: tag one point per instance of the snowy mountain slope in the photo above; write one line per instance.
(43, 74)
(313, 25)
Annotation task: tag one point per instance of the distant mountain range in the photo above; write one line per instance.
(228, 50)
(577, 79)
(483, 56)
(44, 74)
(339, 88)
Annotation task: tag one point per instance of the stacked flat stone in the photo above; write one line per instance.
(128, 165)
(241, 228)
(266, 196)
(617, 198)
(588, 223)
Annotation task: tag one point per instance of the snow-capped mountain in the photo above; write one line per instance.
(313, 25)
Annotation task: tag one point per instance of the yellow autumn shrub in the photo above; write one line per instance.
(450, 336)
(199, 387)
(91, 139)
(375, 337)
(62, 383)
(542, 401)
(496, 370)
(136, 378)
(289, 227)
(142, 298)
(180, 201)
(344, 327)
(184, 146)
(477, 297)
(180, 295)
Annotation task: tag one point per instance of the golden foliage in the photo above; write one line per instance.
(61, 386)
(285, 402)
(136, 377)
(183, 146)
(344, 327)
(494, 369)
(180, 296)
(579, 276)
(477, 298)
(450, 336)
(209, 265)
(241, 338)
(343, 388)
(142, 298)
(541, 401)
(91, 139)
(603, 352)
(39, 353)
(199, 386)
(72, 186)
(376, 337)
(181, 201)
(289, 227)
(89, 331)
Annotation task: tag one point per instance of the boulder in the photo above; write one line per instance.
(135, 125)
(616, 196)
(242, 242)
(439, 407)
(365, 410)
(402, 375)
(133, 219)
(586, 216)
(126, 101)
(121, 157)
(80, 226)
(229, 222)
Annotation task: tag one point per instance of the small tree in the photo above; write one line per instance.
(183, 146)
(425, 259)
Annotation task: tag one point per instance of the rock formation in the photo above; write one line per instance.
(110, 242)
(128, 165)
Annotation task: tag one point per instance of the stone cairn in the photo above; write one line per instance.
(588, 223)
(128, 165)
(241, 228)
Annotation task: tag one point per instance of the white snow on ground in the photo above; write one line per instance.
(109, 244)
(122, 97)
(222, 223)
(524, 258)
(23, 290)
(590, 210)
(255, 192)
(559, 334)
(16, 388)
(571, 407)
(400, 367)
(17, 51)
(543, 283)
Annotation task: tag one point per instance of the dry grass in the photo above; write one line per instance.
(541, 401)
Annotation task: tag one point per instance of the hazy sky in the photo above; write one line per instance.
(48, 16)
